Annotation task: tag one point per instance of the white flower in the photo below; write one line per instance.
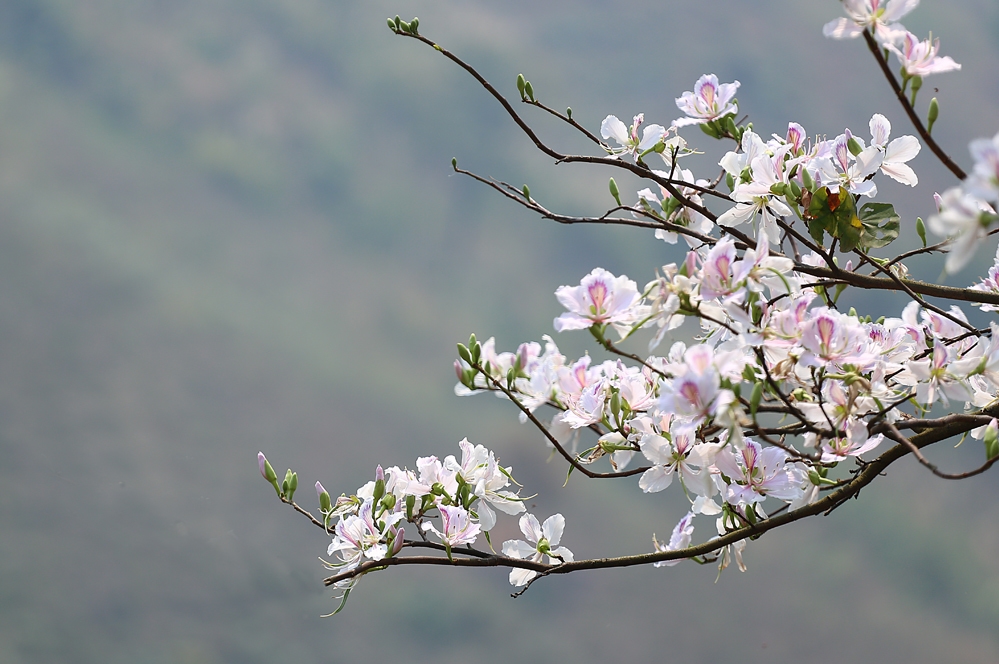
(542, 540)
(600, 299)
(707, 102)
(878, 15)
(627, 137)
(679, 539)
(458, 527)
(896, 153)
(919, 58)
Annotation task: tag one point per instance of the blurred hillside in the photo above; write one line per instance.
(231, 225)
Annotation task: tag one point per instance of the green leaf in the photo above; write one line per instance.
(880, 225)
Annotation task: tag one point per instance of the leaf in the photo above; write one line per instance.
(880, 225)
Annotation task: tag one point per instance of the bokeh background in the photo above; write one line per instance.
(231, 225)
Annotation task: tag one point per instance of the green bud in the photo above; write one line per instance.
(917, 82)
(806, 179)
(568, 113)
(529, 90)
(710, 128)
(751, 516)
(414, 24)
(614, 191)
(795, 189)
(410, 504)
(378, 492)
(397, 22)
(292, 485)
(391, 25)
(388, 501)
(729, 181)
(527, 192)
(755, 399)
(852, 312)
(921, 230)
(880, 320)
(437, 489)
(615, 403)
(463, 353)
(325, 504)
(778, 188)
(286, 484)
(729, 125)
(932, 116)
(521, 86)
(405, 27)
(465, 494)
(454, 163)
(544, 546)
(853, 145)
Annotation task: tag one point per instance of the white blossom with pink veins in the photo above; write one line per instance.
(881, 16)
(984, 180)
(709, 101)
(757, 472)
(679, 455)
(542, 540)
(965, 219)
(896, 153)
(358, 536)
(679, 539)
(457, 526)
(601, 299)
(919, 58)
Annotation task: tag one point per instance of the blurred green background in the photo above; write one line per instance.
(231, 225)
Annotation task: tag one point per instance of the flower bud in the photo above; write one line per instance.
(397, 22)
(529, 90)
(527, 193)
(521, 86)
(853, 145)
(391, 25)
(414, 24)
(410, 504)
(388, 502)
(265, 468)
(325, 505)
(568, 112)
(614, 191)
(463, 353)
(397, 541)
(379, 473)
(378, 492)
(806, 179)
(437, 489)
(992, 439)
(932, 116)
(921, 230)
(454, 163)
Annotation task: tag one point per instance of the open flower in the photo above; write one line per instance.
(679, 539)
(599, 299)
(627, 137)
(709, 101)
(457, 526)
(896, 153)
(542, 540)
(878, 15)
(919, 58)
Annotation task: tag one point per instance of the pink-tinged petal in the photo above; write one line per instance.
(880, 129)
(842, 28)
(901, 173)
(902, 149)
(531, 528)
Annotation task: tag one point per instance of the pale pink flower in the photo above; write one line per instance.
(679, 539)
(919, 58)
(880, 16)
(627, 137)
(601, 299)
(709, 101)
(457, 526)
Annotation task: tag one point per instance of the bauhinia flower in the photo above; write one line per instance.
(679, 539)
(457, 526)
(627, 137)
(880, 16)
(600, 299)
(919, 58)
(542, 540)
(896, 153)
(709, 101)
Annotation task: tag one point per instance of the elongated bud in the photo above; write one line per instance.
(325, 504)
(292, 485)
(806, 179)
(921, 230)
(568, 113)
(778, 188)
(398, 541)
(397, 22)
(853, 145)
(410, 504)
(286, 485)
(755, 399)
(454, 163)
(463, 353)
(932, 116)
(992, 439)
(729, 181)
(527, 192)
(917, 82)
(405, 27)
(378, 491)
(391, 25)
(529, 90)
(379, 473)
(414, 24)
(265, 468)
(521, 86)
(614, 191)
